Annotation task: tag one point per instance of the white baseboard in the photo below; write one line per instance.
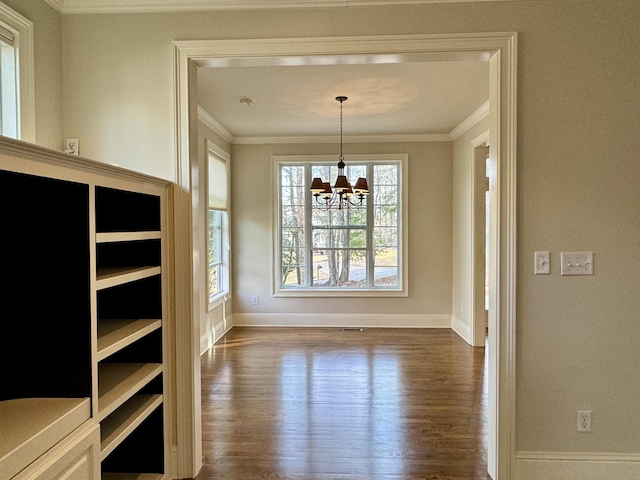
(461, 328)
(576, 466)
(347, 320)
(220, 329)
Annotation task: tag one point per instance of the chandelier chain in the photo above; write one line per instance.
(341, 155)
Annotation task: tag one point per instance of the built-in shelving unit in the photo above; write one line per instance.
(85, 308)
(129, 348)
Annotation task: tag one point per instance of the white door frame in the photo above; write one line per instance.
(501, 51)
(478, 240)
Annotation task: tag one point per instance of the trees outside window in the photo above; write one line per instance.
(354, 248)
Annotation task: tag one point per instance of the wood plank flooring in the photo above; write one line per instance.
(328, 404)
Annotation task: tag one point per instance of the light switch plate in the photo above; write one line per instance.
(576, 263)
(541, 263)
(72, 147)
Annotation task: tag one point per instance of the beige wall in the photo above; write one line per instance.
(48, 69)
(429, 231)
(462, 248)
(578, 173)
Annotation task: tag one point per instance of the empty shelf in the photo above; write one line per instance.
(117, 426)
(114, 335)
(112, 276)
(118, 382)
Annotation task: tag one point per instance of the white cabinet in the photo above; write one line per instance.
(85, 267)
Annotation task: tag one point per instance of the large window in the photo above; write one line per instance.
(17, 111)
(218, 229)
(350, 250)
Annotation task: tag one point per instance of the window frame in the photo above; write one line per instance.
(224, 274)
(22, 28)
(403, 230)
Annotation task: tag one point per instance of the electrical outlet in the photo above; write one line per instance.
(255, 299)
(584, 421)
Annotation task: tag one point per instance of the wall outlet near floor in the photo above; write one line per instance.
(255, 299)
(584, 421)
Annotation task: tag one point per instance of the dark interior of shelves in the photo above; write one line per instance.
(141, 299)
(140, 452)
(123, 211)
(144, 253)
(45, 345)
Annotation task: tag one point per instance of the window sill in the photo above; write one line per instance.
(343, 293)
(218, 300)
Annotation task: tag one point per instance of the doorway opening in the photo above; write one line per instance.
(500, 50)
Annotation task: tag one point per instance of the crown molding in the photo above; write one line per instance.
(139, 6)
(470, 121)
(206, 118)
(430, 137)
(57, 4)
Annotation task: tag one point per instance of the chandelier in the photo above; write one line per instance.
(342, 195)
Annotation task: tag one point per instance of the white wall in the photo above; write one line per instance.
(429, 226)
(578, 174)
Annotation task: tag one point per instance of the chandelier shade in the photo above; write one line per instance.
(342, 194)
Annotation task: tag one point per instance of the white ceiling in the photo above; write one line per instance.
(395, 99)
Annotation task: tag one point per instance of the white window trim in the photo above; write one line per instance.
(223, 296)
(276, 161)
(23, 29)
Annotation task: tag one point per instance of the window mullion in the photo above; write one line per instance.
(369, 231)
(308, 232)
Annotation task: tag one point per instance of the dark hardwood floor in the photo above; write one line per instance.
(321, 404)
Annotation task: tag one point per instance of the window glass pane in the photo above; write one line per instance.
(358, 238)
(214, 278)
(293, 196)
(385, 237)
(339, 268)
(320, 216)
(292, 237)
(320, 238)
(354, 172)
(358, 216)
(214, 236)
(385, 276)
(385, 195)
(385, 257)
(339, 218)
(293, 216)
(292, 275)
(386, 216)
(292, 175)
(326, 172)
(385, 271)
(385, 175)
